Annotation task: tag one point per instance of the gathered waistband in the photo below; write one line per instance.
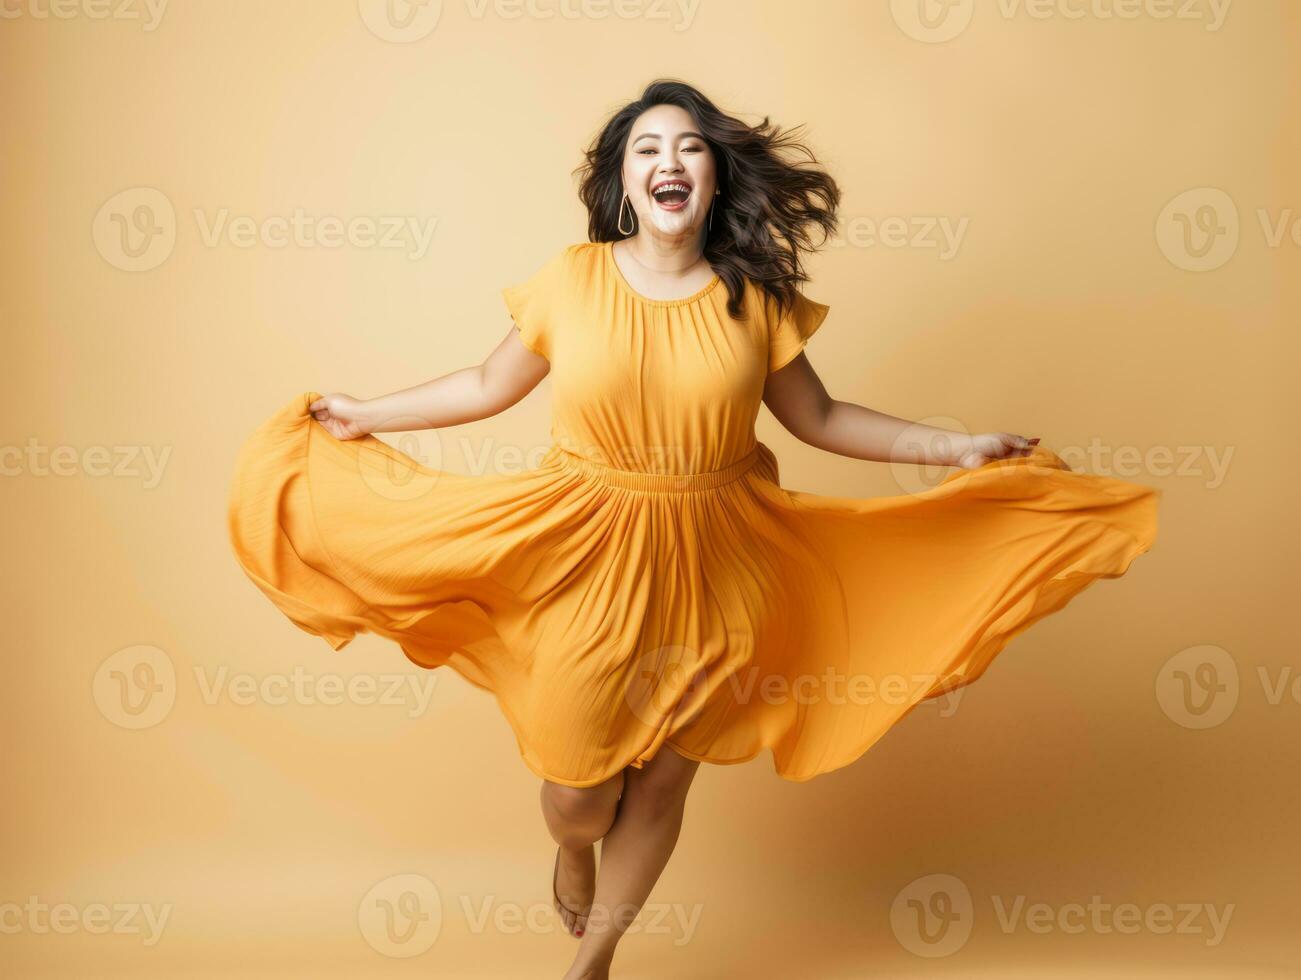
(639, 480)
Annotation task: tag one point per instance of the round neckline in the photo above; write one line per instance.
(627, 287)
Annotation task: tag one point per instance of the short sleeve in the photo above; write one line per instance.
(789, 333)
(533, 304)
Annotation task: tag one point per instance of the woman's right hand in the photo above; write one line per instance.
(341, 415)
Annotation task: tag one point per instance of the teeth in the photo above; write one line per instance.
(673, 187)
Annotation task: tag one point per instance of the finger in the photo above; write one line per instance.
(316, 405)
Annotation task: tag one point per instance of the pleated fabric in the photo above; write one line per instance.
(650, 581)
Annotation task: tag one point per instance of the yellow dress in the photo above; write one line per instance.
(650, 582)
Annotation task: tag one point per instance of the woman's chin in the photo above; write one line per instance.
(672, 222)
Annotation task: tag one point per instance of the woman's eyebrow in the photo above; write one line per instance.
(681, 136)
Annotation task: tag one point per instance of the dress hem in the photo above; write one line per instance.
(988, 652)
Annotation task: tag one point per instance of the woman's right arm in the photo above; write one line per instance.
(505, 376)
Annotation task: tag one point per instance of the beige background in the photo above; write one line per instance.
(1072, 309)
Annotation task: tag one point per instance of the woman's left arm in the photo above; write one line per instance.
(795, 395)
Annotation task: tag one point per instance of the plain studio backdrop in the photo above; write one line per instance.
(1073, 219)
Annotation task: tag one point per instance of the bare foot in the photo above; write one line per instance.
(574, 885)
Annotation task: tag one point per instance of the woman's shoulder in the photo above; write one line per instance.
(577, 261)
(582, 251)
(566, 262)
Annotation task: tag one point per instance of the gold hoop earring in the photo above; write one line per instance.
(622, 230)
(711, 210)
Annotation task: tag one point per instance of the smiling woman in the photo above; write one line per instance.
(650, 597)
(672, 169)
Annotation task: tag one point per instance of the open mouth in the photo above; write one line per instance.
(672, 195)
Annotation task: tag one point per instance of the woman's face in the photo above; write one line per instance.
(665, 148)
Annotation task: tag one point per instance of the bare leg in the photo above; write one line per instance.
(633, 854)
(577, 818)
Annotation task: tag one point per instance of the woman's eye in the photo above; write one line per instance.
(648, 149)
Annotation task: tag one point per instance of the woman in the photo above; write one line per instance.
(649, 597)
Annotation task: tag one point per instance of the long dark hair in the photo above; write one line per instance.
(767, 207)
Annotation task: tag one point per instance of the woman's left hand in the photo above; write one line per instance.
(986, 447)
